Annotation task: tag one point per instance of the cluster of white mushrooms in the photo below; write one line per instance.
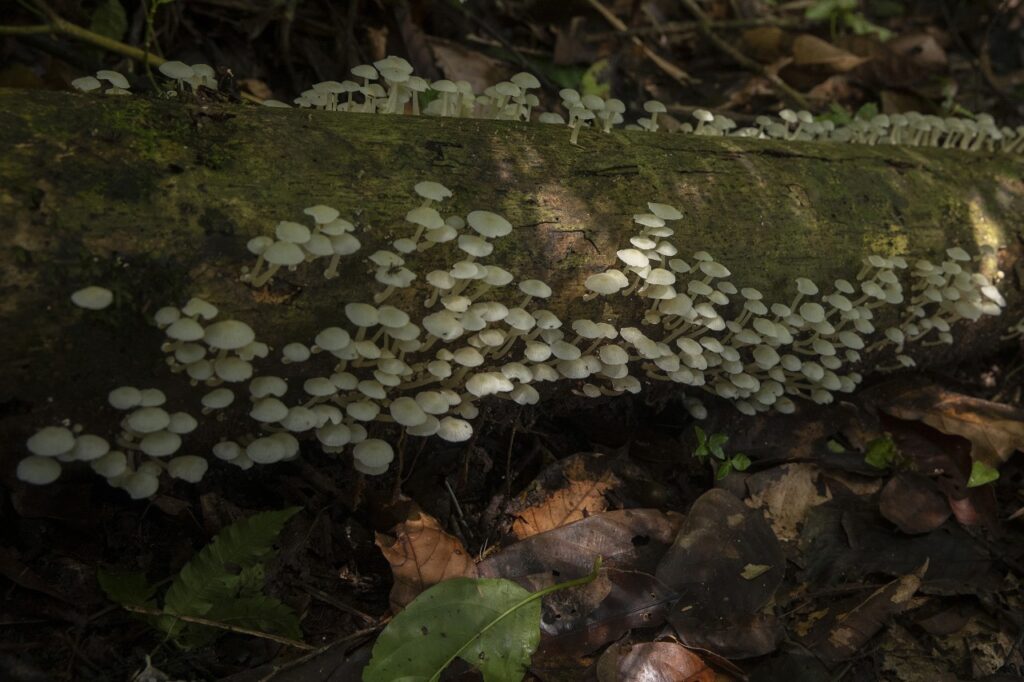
(429, 346)
(388, 86)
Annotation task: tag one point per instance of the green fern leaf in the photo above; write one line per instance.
(214, 574)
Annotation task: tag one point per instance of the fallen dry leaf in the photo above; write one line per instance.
(786, 494)
(628, 539)
(421, 554)
(577, 487)
(913, 503)
(994, 430)
(719, 609)
(810, 50)
(652, 662)
(843, 632)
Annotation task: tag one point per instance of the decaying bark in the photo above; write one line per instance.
(156, 200)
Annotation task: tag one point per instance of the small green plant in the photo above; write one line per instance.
(844, 13)
(981, 474)
(883, 453)
(709, 448)
(223, 583)
(492, 624)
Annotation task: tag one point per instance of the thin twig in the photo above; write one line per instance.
(704, 26)
(668, 67)
(671, 28)
(287, 641)
(63, 27)
(336, 603)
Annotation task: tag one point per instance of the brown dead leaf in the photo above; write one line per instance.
(922, 49)
(577, 500)
(575, 488)
(652, 662)
(765, 44)
(913, 503)
(578, 622)
(628, 539)
(994, 430)
(719, 609)
(457, 62)
(421, 554)
(810, 50)
(786, 494)
(845, 631)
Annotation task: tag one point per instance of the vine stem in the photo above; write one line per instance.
(57, 24)
(287, 641)
(533, 596)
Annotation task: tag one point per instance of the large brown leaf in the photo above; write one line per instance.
(844, 630)
(994, 430)
(572, 489)
(652, 662)
(627, 539)
(421, 554)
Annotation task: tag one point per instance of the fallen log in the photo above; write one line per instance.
(156, 200)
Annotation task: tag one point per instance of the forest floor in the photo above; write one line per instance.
(854, 541)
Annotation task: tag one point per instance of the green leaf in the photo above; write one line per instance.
(724, 470)
(981, 474)
(213, 575)
(259, 612)
(128, 588)
(740, 462)
(595, 80)
(702, 437)
(491, 624)
(881, 453)
(821, 10)
(717, 440)
(109, 19)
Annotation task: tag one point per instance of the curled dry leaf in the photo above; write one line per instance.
(843, 631)
(810, 50)
(994, 430)
(913, 503)
(577, 487)
(719, 608)
(628, 539)
(652, 662)
(421, 554)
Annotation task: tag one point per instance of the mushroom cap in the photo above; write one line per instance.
(51, 441)
(160, 443)
(374, 453)
(229, 335)
(407, 412)
(454, 430)
(535, 288)
(489, 224)
(526, 81)
(177, 70)
(92, 298)
(475, 246)
(38, 470)
(288, 231)
(284, 253)
(218, 399)
(435, 191)
(425, 216)
(124, 397)
(362, 314)
(188, 468)
(141, 485)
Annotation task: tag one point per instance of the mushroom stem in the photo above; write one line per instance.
(263, 279)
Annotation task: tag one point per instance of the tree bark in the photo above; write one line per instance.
(155, 200)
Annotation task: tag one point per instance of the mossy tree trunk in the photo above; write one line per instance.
(156, 200)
